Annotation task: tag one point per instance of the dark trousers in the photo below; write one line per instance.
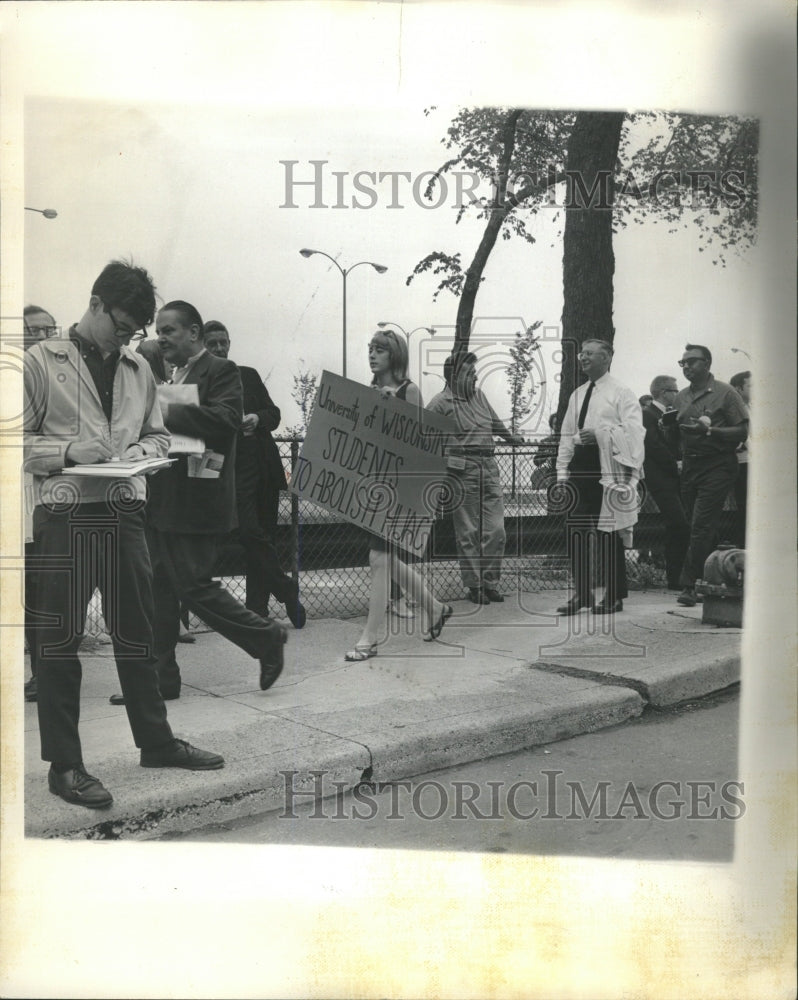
(183, 567)
(93, 546)
(610, 560)
(665, 491)
(706, 482)
(741, 498)
(257, 520)
(31, 577)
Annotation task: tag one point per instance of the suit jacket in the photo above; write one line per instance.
(260, 448)
(661, 448)
(188, 505)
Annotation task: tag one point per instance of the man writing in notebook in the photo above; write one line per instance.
(88, 399)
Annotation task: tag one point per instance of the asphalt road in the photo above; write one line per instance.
(661, 787)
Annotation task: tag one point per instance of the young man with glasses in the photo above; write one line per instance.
(661, 471)
(601, 457)
(712, 420)
(90, 399)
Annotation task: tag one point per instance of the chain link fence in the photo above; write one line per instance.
(330, 556)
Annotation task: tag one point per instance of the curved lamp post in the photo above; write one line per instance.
(739, 350)
(428, 329)
(48, 213)
(379, 268)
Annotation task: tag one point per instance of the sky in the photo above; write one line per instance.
(215, 203)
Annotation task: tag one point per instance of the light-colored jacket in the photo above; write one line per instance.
(62, 406)
(615, 417)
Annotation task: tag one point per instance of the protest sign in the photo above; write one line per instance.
(379, 463)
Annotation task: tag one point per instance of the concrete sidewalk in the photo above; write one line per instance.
(500, 678)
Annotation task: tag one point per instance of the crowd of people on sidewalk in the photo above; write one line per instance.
(203, 426)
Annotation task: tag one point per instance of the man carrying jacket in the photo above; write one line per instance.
(90, 400)
(192, 504)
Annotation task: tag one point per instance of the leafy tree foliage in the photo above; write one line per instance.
(685, 170)
(304, 395)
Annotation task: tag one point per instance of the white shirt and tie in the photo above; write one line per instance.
(614, 416)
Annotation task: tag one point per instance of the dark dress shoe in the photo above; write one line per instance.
(79, 788)
(296, 613)
(271, 666)
(168, 694)
(687, 598)
(605, 607)
(573, 605)
(182, 754)
(476, 596)
(494, 596)
(31, 690)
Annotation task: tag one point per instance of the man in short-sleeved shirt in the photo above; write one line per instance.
(713, 421)
(479, 516)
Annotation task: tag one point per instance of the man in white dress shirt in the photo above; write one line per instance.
(601, 456)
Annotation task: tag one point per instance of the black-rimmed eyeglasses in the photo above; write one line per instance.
(689, 361)
(121, 329)
(42, 332)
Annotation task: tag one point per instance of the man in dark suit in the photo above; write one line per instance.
(259, 479)
(193, 503)
(661, 473)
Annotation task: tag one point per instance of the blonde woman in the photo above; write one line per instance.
(388, 360)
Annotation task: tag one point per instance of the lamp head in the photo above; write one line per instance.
(307, 253)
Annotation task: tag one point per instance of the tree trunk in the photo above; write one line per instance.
(588, 259)
(499, 211)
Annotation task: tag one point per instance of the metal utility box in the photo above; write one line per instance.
(722, 587)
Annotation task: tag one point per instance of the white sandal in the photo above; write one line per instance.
(360, 653)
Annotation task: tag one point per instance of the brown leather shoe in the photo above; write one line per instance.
(182, 754)
(574, 604)
(605, 607)
(79, 788)
(271, 666)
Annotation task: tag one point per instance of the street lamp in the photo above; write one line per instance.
(436, 374)
(428, 329)
(379, 268)
(739, 350)
(48, 213)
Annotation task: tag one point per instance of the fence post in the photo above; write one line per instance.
(294, 514)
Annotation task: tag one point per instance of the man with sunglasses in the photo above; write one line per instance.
(661, 471)
(712, 420)
(90, 399)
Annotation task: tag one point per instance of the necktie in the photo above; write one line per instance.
(585, 404)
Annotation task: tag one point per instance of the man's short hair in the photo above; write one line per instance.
(660, 382)
(122, 286)
(214, 326)
(700, 347)
(32, 310)
(738, 381)
(453, 364)
(188, 314)
(605, 345)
